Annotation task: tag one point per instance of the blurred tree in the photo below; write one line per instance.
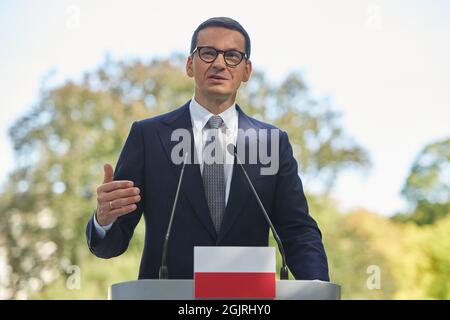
(437, 249)
(363, 245)
(320, 144)
(413, 260)
(428, 186)
(421, 267)
(62, 143)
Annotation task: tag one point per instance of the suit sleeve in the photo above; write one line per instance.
(130, 166)
(299, 232)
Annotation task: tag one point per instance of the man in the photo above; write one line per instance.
(216, 206)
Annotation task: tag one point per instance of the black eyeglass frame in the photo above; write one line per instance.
(224, 52)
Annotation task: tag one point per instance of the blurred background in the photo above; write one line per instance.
(361, 86)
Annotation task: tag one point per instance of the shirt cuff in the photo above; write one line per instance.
(101, 230)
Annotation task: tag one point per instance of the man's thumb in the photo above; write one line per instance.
(109, 173)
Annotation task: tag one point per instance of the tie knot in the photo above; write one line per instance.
(215, 122)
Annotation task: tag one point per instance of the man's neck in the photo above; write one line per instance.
(215, 105)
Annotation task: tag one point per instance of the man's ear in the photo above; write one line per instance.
(247, 71)
(189, 67)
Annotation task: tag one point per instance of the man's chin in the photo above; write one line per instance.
(218, 92)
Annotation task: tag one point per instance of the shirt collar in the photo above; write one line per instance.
(200, 115)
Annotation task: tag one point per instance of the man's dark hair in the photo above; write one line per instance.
(223, 22)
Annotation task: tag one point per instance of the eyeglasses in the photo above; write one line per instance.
(209, 54)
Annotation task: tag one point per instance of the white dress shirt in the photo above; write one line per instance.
(199, 117)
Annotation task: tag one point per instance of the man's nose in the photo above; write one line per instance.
(219, 62)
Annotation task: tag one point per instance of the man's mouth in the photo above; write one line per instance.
(216, 77)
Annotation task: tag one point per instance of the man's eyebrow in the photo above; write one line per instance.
(233, 48)
(237, 49)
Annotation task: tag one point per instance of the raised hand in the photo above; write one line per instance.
(115, 198)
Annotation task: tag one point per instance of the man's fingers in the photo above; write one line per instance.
(122, 202)
(114, 185)
(117, 194)
(109, 173)
(108, 206)
(123, 210)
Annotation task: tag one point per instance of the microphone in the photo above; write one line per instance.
(163, 269)
(284, 272)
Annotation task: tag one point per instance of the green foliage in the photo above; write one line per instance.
(61, 146)
(320, 145)
(424, 270)
(350, 250)
(427, 187)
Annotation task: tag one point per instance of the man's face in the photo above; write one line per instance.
(216, 80)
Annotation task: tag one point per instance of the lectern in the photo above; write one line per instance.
(231, 273)
(184, 290)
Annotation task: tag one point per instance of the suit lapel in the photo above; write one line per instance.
(239, 190)
(192, 185)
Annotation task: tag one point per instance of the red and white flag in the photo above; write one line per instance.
(234, 272)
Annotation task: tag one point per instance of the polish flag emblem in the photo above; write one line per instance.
(234, 272)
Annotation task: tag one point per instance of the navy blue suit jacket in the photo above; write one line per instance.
(145, 159)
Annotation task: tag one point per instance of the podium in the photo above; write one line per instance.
(151, 289)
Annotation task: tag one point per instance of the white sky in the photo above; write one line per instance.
(385, 64)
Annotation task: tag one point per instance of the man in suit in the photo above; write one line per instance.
(216, 206)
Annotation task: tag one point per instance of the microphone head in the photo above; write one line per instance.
(231, 148)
